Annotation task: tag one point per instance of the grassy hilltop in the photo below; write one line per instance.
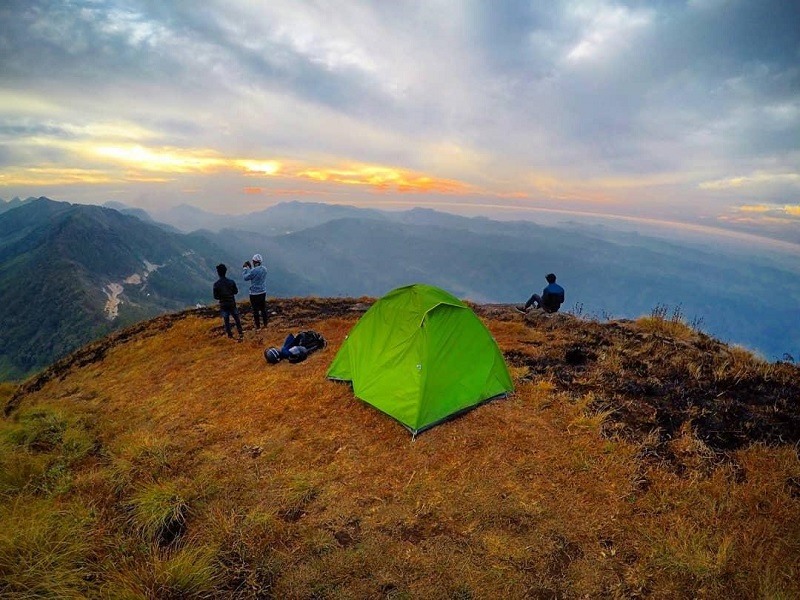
(635, 459)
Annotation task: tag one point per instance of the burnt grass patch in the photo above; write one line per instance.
(657, 387)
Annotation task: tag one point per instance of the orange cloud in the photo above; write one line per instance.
(257, 167)
(512, 195)
(385, 179)
(134, 162)
(793, 210)
(35, 176)
(253, 190)
(758, 178)
(756, 208)
(178, 161)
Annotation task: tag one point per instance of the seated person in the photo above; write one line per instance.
(551, 299)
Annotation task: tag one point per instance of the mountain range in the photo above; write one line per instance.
(70, 273)
(744, 297)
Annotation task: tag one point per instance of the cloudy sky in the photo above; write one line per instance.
(684, 110)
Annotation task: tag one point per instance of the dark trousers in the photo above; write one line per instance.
(535, 301)
(259, 304)
(228, 312)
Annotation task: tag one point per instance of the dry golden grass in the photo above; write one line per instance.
(182, 465)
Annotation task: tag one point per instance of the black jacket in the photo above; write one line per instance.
(225, 291)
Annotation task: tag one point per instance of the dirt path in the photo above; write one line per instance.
(112, 292)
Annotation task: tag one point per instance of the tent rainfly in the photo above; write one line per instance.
(421, 355)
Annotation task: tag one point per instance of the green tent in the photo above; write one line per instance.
(421, 355)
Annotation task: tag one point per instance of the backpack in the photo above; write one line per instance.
(296, 348)
(310, 340)
(297, 354)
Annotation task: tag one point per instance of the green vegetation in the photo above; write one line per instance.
(45, 548)
(165, 573)
(159, 512)
(55, 261)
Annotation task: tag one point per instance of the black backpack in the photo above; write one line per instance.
(297, 354)
(310, 340)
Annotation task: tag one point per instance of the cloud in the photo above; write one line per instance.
(44, 176)
(792, 210)
(751, 180)
(131, 162)
(670, 106)
(386, 179)
(765, 214)
(606, 28)
(756, 208)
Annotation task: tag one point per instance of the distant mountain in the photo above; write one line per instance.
(187, 218)
(293, 216)
(13, 203)
(70, 273)
(747, 299)
(98, 256)
(281, 218)
(139, 213)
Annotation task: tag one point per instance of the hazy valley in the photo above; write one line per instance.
(70, 273)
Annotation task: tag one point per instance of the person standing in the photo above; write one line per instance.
(551, 299)
(256, 274)
(225, 291)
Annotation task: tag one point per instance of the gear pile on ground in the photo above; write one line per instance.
(296, 348)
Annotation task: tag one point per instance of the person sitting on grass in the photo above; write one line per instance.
(225, 291)
(551, 299)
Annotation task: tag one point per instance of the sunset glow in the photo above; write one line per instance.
(585, 105)
(164, 160)
(44, 176)
(385, 179)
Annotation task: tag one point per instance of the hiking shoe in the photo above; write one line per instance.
(521, 308)
(240, 338)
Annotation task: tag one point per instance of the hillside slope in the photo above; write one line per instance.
(166, 461)
(72, 273)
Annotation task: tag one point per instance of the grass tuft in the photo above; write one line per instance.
(670, 324)
(167, 574)
(38, 448)
(699, 553)
(43, 550)
(589, 417)
(20, 470)
(159, 512)
(37, 429)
